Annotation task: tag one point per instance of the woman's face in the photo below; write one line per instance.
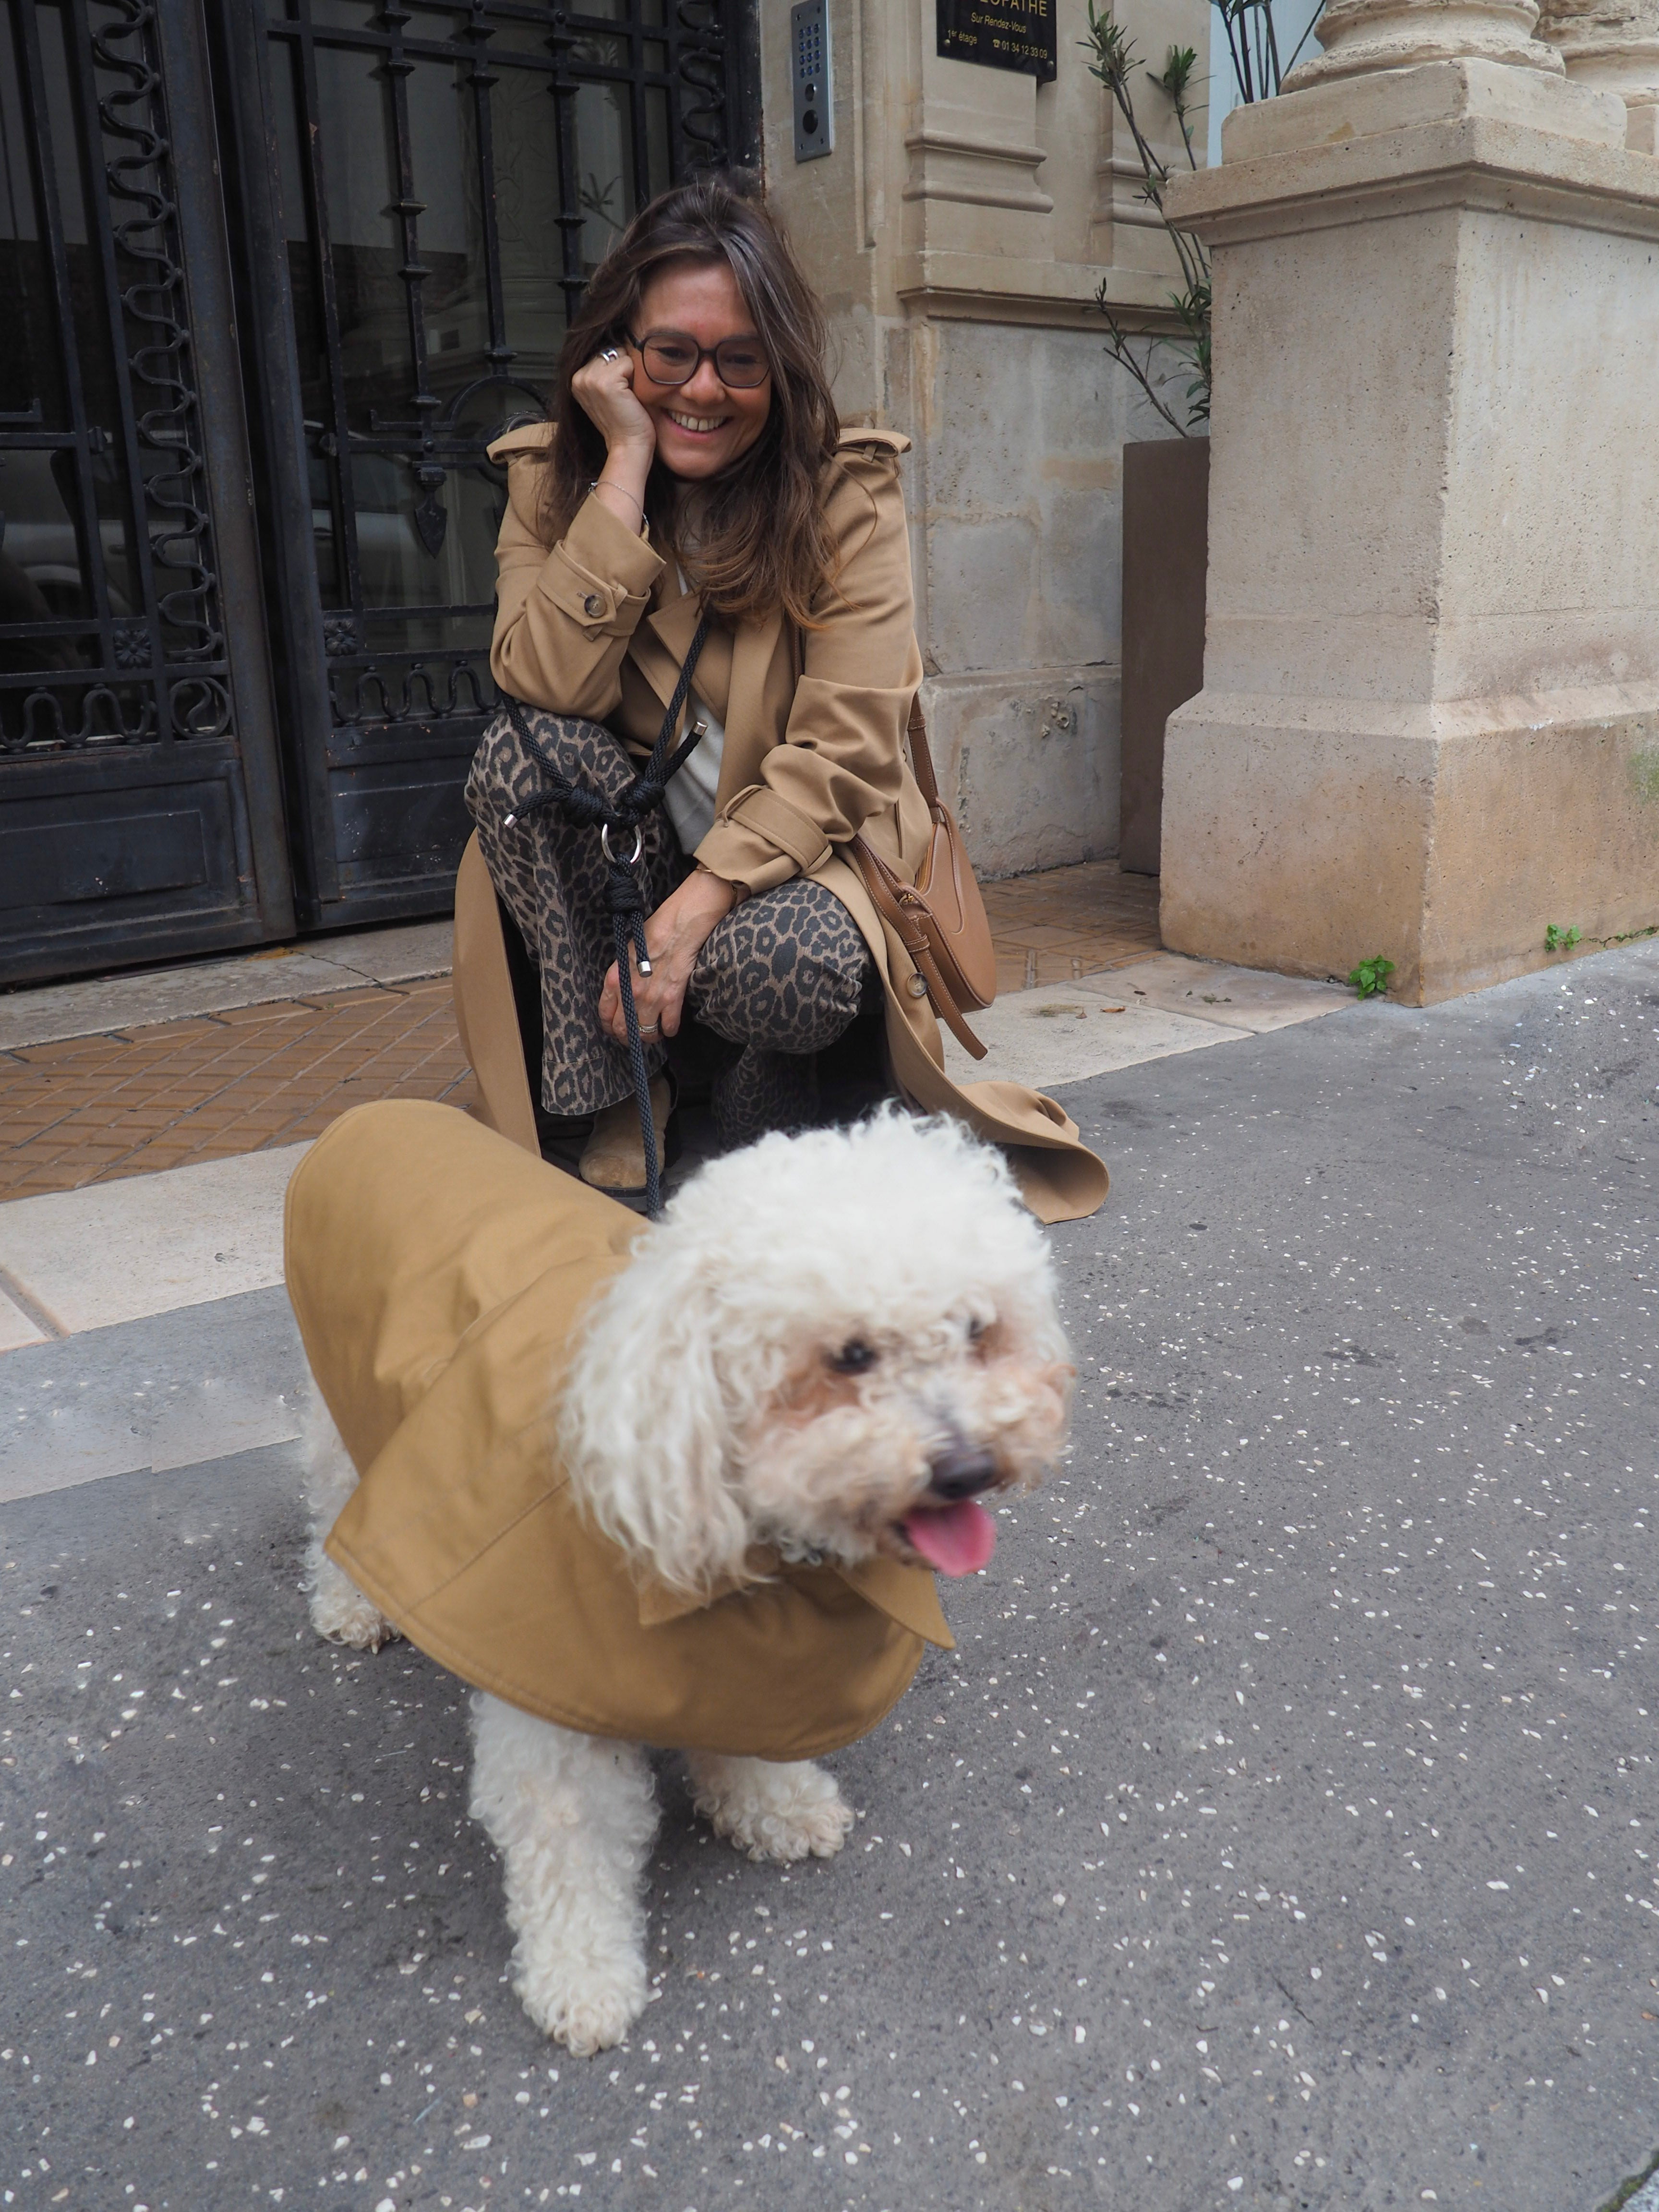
(702, 426)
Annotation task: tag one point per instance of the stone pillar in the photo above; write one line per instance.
(1360, 35)
(1614, 46)
(1429, 724)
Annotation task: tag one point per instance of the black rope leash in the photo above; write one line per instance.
(614, 818)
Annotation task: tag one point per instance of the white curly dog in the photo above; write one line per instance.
(833, 1344)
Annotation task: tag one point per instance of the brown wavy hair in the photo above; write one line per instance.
(762, 542)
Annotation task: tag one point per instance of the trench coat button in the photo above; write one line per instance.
(594, 604)
(917, 987)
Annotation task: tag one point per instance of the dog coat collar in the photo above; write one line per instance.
(905, 1594)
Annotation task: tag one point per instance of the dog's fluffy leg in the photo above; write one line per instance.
(573, 1817)
(772, 1810)
(339, 1610)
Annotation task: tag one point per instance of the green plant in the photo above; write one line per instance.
(1370, 978)
(1113, 63)
(1252, 50)
(1557, 939)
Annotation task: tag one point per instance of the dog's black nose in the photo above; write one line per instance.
(962, 1471)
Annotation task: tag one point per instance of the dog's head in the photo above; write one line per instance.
(835, 1344)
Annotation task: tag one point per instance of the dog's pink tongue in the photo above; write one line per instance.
(957, 1540)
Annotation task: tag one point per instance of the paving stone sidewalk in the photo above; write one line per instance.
(1280, 1834)
(96, 1083)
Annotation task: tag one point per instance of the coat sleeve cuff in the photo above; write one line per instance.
(762, 841)
(600, 573)
(737, 856)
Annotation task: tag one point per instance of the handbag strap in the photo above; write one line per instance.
(921, 759)
(898, 903)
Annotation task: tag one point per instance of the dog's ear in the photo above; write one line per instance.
(643, 1425)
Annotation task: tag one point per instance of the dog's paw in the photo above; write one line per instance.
(781, 1812)
(588, 2008)
(341, 1613)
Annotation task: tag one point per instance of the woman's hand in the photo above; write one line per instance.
(674, 935)
(604, 389)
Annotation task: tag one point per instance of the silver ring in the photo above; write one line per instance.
(649, 1029)
(611, 353)
(604, 846)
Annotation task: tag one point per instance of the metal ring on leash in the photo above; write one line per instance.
(604, 846)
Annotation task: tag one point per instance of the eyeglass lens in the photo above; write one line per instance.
(673, 358)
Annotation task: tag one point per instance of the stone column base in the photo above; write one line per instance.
(1028, 758)
(1308, 835)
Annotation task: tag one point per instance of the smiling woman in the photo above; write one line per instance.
(693, 530)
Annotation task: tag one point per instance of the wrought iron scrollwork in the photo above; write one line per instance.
(432, 687)
(702, 69)
(144, 664)
(159, 354)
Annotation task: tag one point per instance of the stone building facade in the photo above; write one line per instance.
(959, 233)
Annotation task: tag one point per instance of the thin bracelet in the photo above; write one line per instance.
(622, 488)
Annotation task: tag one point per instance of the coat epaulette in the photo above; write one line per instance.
(525, 434)
(863, 443)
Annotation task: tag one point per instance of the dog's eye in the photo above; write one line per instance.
(976, 1329)
(854, 1357)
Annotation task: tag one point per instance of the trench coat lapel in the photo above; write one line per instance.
(732, 677)
(749, 732)
(664, 638)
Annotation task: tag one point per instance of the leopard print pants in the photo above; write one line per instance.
(780, 978)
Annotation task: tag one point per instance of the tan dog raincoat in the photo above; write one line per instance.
(437, 1272)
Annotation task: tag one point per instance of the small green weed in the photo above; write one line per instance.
(1557, 939)
(1370, 977)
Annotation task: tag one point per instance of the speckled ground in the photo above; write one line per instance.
(1280, 1834)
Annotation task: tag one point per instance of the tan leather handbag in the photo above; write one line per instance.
(940, 918)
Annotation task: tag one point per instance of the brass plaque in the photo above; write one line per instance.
(1010, 34)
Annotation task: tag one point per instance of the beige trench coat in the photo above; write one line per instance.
(597, 625)
(437, 1275)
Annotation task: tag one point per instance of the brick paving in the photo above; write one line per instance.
(94, 1109)
(129, 1101)
(1067, 922)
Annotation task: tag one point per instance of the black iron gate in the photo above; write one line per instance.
(324, 280)
(138, 783)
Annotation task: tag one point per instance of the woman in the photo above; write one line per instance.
(694, 466)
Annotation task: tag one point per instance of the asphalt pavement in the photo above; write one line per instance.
(1280, 1834)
